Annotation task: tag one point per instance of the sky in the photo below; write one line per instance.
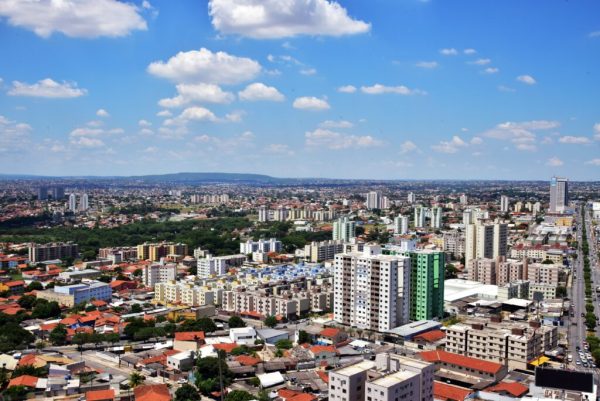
(381, 89)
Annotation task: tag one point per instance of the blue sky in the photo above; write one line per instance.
(301, 88)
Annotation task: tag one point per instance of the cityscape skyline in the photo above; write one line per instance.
(438, 91)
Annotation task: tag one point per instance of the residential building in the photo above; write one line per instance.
(72, 202)
(411, 198)
(125, 252)
(324, 250)
(78, 275)
(184, 293)
(265, 246)
(504, 203)
(510, 271)
(219, 265)
(454, 243)
(482, 270)
(462, 364)
(559, 194)
(436, 217)
(84, 203)
(371, 290)
(547, 291)
(158, 273)
(420, 213)
(344, 229)
(71, 295)
(401, 225)
(485, 240)
(156, 251)
(373, 200)
(52, 251)
(464, 199)
(543, 273)
(428, 269)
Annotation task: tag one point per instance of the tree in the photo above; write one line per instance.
(207, 374)
(27, 301)
(136, 308)
(58, 335)
(303, 337)
(135, 379)
(187, 392)
(239, 395)
(236, 321)
(34, 286)
(204, 324)
(561, 292)
(451, 271)
(15, 393)
(284, 344)
(271, 321)
(44, 309)
(547, 262)
(13, 336)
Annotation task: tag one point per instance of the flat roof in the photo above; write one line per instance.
(394, 378)
(455, 289)
(356, 368)
(415, 328)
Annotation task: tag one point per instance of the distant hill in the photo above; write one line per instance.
(205, 177)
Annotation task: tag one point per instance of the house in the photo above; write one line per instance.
(14, 287)
(460, 364)
(152, 392)
(271, 336)
(188, 340)
(291, 395)
(324, 353)
(182, 361)
(331, 336)
(100, 395)
(512, 389)
(24, 380)
(243, 335)
(448, 392)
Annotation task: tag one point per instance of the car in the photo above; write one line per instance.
(182, 381)
(585, 364)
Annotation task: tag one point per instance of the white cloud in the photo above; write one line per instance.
(449, 52)
(150, 149)
(195, 113)
(528, 147)
(144, 123)
(503, 88)
(336, 124)
(202, 65)
(324, 138)
(491, 70)
(554, 162)
(269, 19)
(308, 71)
(451, 146)
(408, 147)
(597, 131)
(311, 103)
(476, 140)
(279, 148)
(74, 18)
(260, 91)
(102, 113)
(164, 113)
(526, 79)
(13, 135)
(593, 162)
(86, 142)
(201, 93)
(235, 116)
(47, 88)
(427, 64)
(575, 140)
(347, 89)
(95, 132)
(481, 61)
(520, 134)
(469, 52)
(379, 89)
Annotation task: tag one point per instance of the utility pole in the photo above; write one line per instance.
(220, 373)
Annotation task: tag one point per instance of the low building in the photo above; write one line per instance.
(243, 335)
(78, 275)
(455, 363)
(71, 295)
(188, 340)
(182, 361)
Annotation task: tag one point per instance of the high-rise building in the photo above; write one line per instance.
(372, 290)
(468, 217)
(84, 203)
(464, 199)
(436, 217)
(504, 203)
(42, 193)
(401, 225)
(263, 214)
(53, 251)
(374, 200)
(73, 202)
(485, 240)
(412, 198)
(58, 193)
(158, 273)
(420, 213)
(428, 269)
(559, 194)
(344, 229)
(265, 246)
(155, 252)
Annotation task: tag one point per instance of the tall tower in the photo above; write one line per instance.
(559, 194)
(428, 271)
(401, 225)
(344, 229)
(84, 203)
(73, 202)
(504, 203)
(436, 217)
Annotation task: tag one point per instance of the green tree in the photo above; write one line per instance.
(58, 335)
(284, 344)
(239, 395)
(13, 336)
(27, 301)
(271, 321)
(16, 393)
(207, 374)
(303, 337)
(187, 392)
(135, 379)
(34, 286)
(204, 324)
(136, 308)
(236, 321)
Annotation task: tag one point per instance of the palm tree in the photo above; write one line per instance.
(135, 379)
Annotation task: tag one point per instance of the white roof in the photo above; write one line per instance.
(523, 303)
(360, 343)
(455, 289)
(243, 331)
(270, 379)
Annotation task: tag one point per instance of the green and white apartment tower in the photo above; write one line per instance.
(428, 270)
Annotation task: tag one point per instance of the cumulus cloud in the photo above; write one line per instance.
(195, 113)
(469, 52)
(481, 61)
(451, 146)
(427, 64)
(259, 91)
(308, 71)
(476, 140)
(526, 79)
(164, 113)
(279, 149)
(324, 138)
(311, 103)
(521, 134)
(449, 52)
(554, 162)
(95, 132)
(597, 131)
(74, 18)
(593, 162)
(205, 66)
(47, 88)
(408, 147)
(491, 70)
(13, 135)
(347, 89)
(102, 113)
(379, 89)
(144, 123)
(87, 142)
(575, 140)
(336, 124)
(201, 93)
(270, 19)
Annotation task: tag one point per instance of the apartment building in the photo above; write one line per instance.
(52, 251)
(184, 293)
(71, 295)
(543, 273)
(539, 252)
(155, 252)
(454, 244)
(448, 363)
(324, 250)
(263, 304)
(428, 271)
(218, 265)
(548, 291)
(508, 343)
(158, 273)
(125, 253)
(264, 246)
(401, 379)
(487, 240)
(482, 270)
(510, 271)
(401, 225)
(371, 290)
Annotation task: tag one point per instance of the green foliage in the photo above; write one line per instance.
(241, 350)
(146, 333)
(271, 321)
(547, 262)
(34, 285)
(136, 308)
(58, 335)
(303, 337)
(13, 336)
(207, 374)
(29, 370)
(284, 344)
(44, 309)
(236, 321)
(561, 291)
(15, 393)
(239, 395)
(27, 301)
(135, 379)
(204, 324)
(254, 382)
(451, 271)
(187, 392)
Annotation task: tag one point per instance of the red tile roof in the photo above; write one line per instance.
(189, 336)
(248, 360)
(461, 360)
(431, 336)
(152, 392)
(100, 395)
(225, 347)
(303, 397)
(329, 332)
(317, 349)
(442, 391)
(323, 375)
(515, 389)
(25, 380)
(15, 283)
(285, 393)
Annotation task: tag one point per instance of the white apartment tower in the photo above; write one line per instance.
(158, 273)
(84, 204)
(401, 225)
(504, 203)
(436, 217)
(485, 240)
(420, 213)
(412, 198)
(344, 229)
(73, 203)
(559, 194)
(464, 199)
(374, 200)
(371, 290)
